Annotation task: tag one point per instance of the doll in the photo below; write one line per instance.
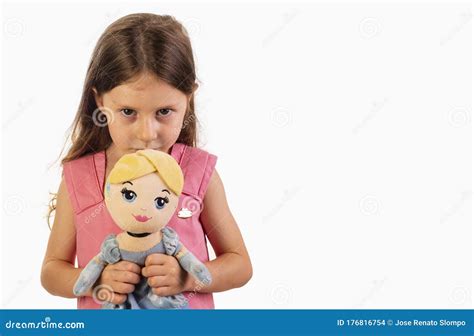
(141, 195)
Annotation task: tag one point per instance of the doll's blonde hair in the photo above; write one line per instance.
(143, 162)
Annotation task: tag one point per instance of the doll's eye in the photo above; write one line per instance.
(128, 195)
(160, 202)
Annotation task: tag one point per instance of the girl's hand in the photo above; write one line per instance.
(121, 278)
(165, 275)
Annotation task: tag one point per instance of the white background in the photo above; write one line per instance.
(343, 133)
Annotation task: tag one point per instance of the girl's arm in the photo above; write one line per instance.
(58, 273)
(232, 267)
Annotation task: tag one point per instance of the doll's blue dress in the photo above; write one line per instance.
(142, 297)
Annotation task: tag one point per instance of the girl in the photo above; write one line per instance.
(139, 94)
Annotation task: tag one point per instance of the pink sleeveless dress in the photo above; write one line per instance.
(85, 179)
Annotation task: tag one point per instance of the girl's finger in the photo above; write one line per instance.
(157, 259)
(154, 270)
(127, 266)
(108, 294)
(118, 298)
(158, 281)
(163, 291)
(125, 276)
(122, 287)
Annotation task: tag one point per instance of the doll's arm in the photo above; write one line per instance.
(186, 259)
(109, 254)
(89, 275)
(192, 265)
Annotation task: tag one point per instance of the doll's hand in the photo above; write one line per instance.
(120, 278)
(165, 275)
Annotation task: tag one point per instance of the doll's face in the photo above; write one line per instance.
(145, 204)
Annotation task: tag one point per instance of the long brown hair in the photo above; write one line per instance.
(133, 44)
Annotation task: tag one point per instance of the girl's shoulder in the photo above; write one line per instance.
(86, 160)
(197, 166)
(84, 180)
(182, 152)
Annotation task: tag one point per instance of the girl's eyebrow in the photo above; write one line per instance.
(166, 191)
(130, 107)
(127, 182)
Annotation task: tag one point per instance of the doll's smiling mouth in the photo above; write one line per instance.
(141, 218)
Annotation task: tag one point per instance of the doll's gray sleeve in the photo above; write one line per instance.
(109, 254)
(188, 261)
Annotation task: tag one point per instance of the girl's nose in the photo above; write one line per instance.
(147, 130)
(143, 209)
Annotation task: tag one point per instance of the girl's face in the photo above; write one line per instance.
(138, 208)
(144, 113)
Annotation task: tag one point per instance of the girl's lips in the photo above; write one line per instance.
(141, 218)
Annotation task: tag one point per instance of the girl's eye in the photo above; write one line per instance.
(163, 112)
(128, 112)
(129, 195)
(160, 202)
